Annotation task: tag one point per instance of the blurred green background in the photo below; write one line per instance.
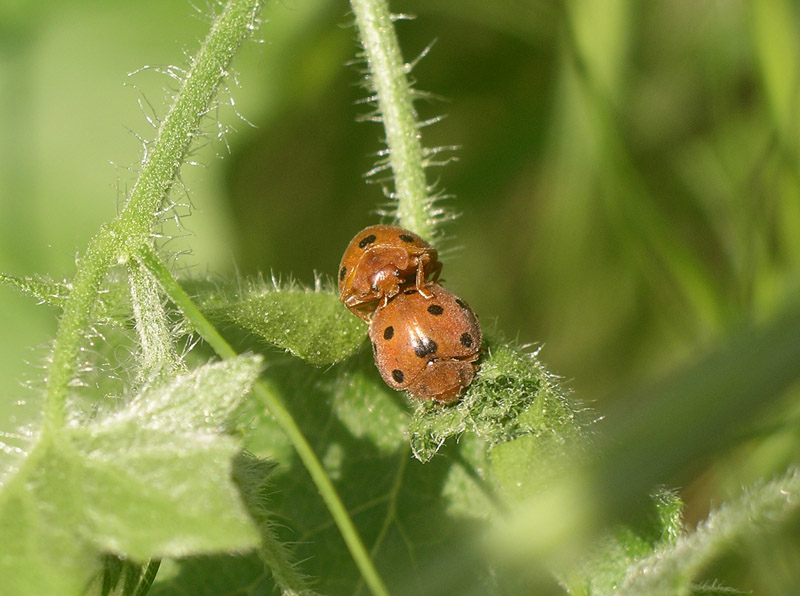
(626, 175)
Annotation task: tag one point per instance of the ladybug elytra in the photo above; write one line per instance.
(381, 260)
(428, 346)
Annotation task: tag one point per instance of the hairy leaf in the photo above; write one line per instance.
(513, 397)
(602, 570)
(670, 568)
(416, 519)
(311, 325)
(44, 290)
(150, 479)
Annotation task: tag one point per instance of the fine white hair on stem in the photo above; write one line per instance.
(409, 66)
(391, 94)
(209, 138)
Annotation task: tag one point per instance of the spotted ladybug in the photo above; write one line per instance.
(428, 346)
(378, 262)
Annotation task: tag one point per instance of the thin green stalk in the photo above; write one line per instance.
(198, 92)
(182, 300)
(129, 233)
(92, 269)
(387, 73)
(284, 418)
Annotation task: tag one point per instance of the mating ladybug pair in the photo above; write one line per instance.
(425, 339)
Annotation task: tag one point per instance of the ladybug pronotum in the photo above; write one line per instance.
(427, 345)
(379, 262)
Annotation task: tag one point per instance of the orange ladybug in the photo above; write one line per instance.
(427, 345)
(381, 260)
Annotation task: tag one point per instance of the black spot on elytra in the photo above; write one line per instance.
(342, 273)
(388, 333)
(407, 238)
(466, 340)
(425, 347)
(366, 241)
(461, 303)
(398, 375)
(435, 309)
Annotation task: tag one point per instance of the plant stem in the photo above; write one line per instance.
(179, 128)
(284, 418)
(181, 299)
(387, 73)
(92, 269)
(129, 233)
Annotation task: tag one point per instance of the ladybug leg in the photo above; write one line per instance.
(421, 283)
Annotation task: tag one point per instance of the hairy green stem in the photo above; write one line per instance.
(284, 418)
(182, 300)
(387, 74)
(179, 127)
(129, 233)
(92, 269)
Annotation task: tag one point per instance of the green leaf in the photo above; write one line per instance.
(250, 573)
(45, 290)
(715, 590)
(213, 575)
(367, 408)
(112, 302)
(151, 479)
(658, 558)
(604, 568)
(513, 396)
(251, 474)
(417, 520)
(40, 554)
(158, 471)
(312, 325)
(670, 568)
